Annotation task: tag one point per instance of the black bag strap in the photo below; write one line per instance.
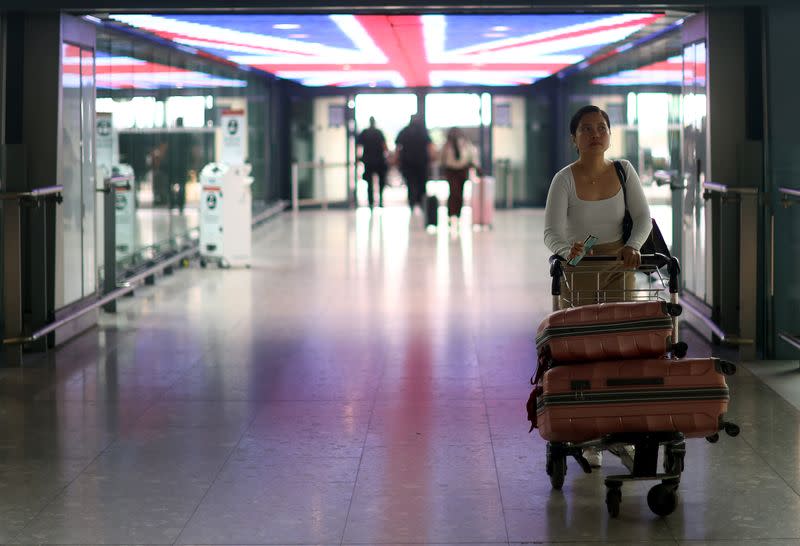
(627, 219)
(623, 179)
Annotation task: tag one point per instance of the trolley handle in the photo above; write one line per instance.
(649, 260)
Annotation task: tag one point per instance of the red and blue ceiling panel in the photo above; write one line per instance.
(398, 50)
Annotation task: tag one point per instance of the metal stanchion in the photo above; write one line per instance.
(509, 186)
(13, 202)
(295, 190)
(323, 193)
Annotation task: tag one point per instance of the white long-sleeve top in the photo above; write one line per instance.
(468, 155)
(568, 219)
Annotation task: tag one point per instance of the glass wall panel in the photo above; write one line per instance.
(329, 181)
(640, 89)
(88, 185)
(695, 212)
(509, 148)
(78, 174)
(783, 172)
(71, 175)
(165, 109)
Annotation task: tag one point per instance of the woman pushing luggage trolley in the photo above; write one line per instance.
(612, 376)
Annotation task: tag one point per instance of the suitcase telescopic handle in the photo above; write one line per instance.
(648, 260)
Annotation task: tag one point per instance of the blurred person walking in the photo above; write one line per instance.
(458, 157)
(413, 154)
(373, 156)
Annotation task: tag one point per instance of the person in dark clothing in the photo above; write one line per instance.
(413, 149)
(373, 155)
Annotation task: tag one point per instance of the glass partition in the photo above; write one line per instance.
(640, 90)
(695, 236)
(162, 116)
(77, 176)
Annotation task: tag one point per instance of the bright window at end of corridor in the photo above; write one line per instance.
(452, 110)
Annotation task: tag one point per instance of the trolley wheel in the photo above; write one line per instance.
(613, 500)
(557, 470)
(713, 439)
(223, 264)
(662, 499)
(203, 262)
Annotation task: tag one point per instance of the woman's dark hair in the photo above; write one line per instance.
(588, 109)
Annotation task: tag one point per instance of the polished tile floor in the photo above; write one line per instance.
(363, 383)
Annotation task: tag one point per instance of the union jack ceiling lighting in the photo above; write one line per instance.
(398, 50)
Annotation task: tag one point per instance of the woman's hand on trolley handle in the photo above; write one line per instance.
(630, 257)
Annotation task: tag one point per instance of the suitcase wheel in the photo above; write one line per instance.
(680, 349)
(726, 368)
(731, 429)
(662, 499)
(613, 500)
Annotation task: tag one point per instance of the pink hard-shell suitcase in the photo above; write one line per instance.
(483, 191)
(607, 331)
(585, 401)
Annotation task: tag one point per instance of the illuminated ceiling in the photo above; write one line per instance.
(399, 50)
(120, 72)
(668, 72)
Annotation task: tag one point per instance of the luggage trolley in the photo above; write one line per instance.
(642, 464)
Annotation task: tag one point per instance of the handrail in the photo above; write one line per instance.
(792, 340)
(35, 193)
(119, 181)
(128, 286)
(724, 188)
(667, 178)
(719, 332)
(790, 191)
(111, 296)
(789, 196)
(315, 164)
(12, 287)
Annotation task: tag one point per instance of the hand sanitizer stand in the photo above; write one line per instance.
(225, 215)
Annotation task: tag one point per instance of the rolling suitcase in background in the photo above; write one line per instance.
(587, 401)
(607, 331)
(483, 190)
(431, 210)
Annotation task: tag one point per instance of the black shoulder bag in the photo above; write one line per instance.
(654, 244)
